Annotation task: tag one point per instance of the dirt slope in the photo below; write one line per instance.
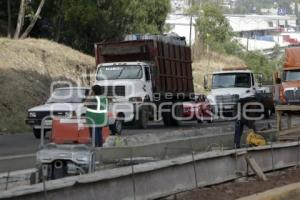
(209, 63)
(27, 69)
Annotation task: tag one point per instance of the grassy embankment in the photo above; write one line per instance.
(27, 69)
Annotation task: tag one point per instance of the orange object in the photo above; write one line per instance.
(292, 58)
(67, 131)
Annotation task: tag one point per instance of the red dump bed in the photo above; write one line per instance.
(172, 69)
(292, 58)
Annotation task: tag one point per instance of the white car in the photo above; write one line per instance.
(63, 102)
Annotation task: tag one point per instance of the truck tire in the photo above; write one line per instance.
(36, 133)
(142, 121)
(267, 113)
(117, 127)
(169, 120)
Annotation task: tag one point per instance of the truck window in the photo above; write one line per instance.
(292, 75)
(116, 72)
(147, 74)
(231, 80)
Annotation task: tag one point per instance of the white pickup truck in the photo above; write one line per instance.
(66, 102)
(230, 85)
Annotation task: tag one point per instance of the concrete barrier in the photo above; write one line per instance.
(162, 178)
(190, 140)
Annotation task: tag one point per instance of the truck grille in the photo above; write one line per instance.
(113, 90)
(293, 96)
(227, 99)
(42, 114)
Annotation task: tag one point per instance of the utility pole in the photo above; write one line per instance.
(191, 23)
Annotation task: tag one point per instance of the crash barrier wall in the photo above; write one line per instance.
(157, 150)
(13, 179)
(162, 178)
(173, 148)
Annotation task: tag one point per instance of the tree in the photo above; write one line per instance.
(81, 23)
(21, 17)
(212, 26)
(9, 34)
(34, 19)
(20, 21)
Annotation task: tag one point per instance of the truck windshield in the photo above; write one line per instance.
(120, 72)
(68, 96)
(231, 80)
(292, 75)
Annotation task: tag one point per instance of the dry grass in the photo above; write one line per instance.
(209, 63)
(27, 69)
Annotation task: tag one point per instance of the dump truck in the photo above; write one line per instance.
(151, 73)
(289, 83)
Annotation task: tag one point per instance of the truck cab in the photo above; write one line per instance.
(229, 86)
(290, 87)
(127, 81)
(287, 90)
(130, 85)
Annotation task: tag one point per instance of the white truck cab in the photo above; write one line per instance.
(126, 81)
(230, 85)
(129, 84)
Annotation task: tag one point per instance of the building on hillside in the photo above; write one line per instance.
(252, 26)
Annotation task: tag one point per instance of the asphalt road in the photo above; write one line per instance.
(25, 143)
(17, 151)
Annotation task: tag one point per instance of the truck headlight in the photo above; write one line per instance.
(32, 114)
(82, 158)
(136, 99)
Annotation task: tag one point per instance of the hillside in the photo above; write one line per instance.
(27, 69)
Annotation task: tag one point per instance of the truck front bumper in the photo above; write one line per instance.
(36, 123)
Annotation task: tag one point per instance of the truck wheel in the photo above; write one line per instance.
(200, 121)
(268, 113)
(117, 127)
(37, 133)
(142, 121)
(169, 120)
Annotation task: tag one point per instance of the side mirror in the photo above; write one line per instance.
(205, 84)
(260, 78)
(278, 81)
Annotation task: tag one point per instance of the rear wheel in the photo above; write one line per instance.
(169, 119)
(143, 117)
(36, 133)
(268, 113)
(117, 127)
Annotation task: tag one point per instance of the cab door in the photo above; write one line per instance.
(148, 82)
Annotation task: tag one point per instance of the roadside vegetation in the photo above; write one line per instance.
(27, 69)
(28, 66)
(215, 37)
(81, 23)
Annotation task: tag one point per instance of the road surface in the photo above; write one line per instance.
(17, 149)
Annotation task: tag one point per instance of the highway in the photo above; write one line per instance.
(17, 151)
(25, 143)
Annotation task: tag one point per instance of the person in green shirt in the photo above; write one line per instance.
(97, 114)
